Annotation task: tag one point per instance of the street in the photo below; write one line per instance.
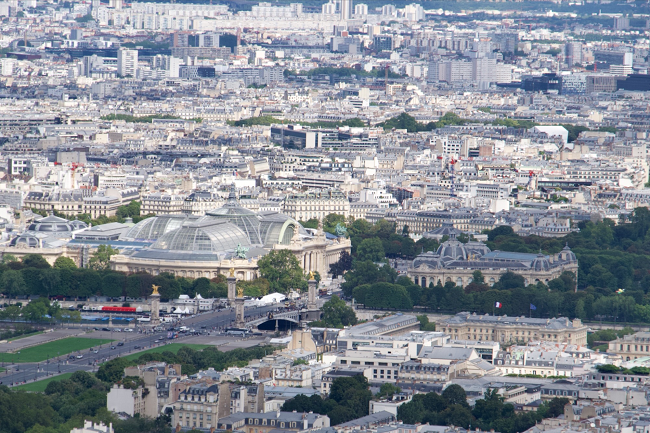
(17, 374)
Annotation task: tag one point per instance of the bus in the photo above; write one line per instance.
(241, 332)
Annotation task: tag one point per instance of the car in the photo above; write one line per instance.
(95, 329)
(95, 351)
(71, 357)
(137, 347)
(157, 341)
(113, 347)
(106, 329)
(121, 343)
(203, 326)
(117, 329)
(128, 329)
(79, 356)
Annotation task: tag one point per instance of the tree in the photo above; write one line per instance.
(388, 389)
(342, 265)
(425, 325)
(331, 220)
(455, 394)
(36, 310)
(500, 231)
(35, 261)
(311, 223)
(8, 258)
(12, 283)
(11, 313)
(509, 280)
(282, 269)
(556, 407)
(383, 295)
(366, 272)
(477, 277)
(63, 262)
(101, 258)
(337, 314)
(50, 282)
(113, 370)
(371, 249)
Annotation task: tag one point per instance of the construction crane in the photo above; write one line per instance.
(386, 77)
(452, 163)
(531, 173)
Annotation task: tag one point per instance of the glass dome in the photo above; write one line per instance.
(53, 224)
(203, 236)
(277, 228)
(233, 212)
(452, 249)
(26, 240)
(153, 228)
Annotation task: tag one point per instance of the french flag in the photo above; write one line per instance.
(498, 305)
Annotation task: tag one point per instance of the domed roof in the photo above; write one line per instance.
(446, 228)
(233, 212)
(25, 240)
(277, 228)
(568, 255)
(153, 228)
(203, 236)
(429, 258)
(476, 249)
(540, 263)
(53, 224)
(452, 249)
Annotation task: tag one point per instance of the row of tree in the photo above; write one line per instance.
(489, 413)
(350, 396)
(66, 403)
(131, 210)
(33, 275)
(613, 277)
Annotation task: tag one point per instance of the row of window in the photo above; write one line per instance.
(636, 348)
(281, 424)
(187, 416)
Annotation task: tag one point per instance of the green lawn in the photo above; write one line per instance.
(40, 385)
(174, 347)
(52, 349)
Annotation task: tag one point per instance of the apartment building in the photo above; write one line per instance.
(265, 422)
(160, 203)
(316, 204)
(511, 329)
(631, 346)
(201, 405)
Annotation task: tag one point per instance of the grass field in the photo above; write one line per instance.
(42, 384)
(174, 347)
(52, 349)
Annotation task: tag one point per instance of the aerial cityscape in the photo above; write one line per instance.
(330, 216)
